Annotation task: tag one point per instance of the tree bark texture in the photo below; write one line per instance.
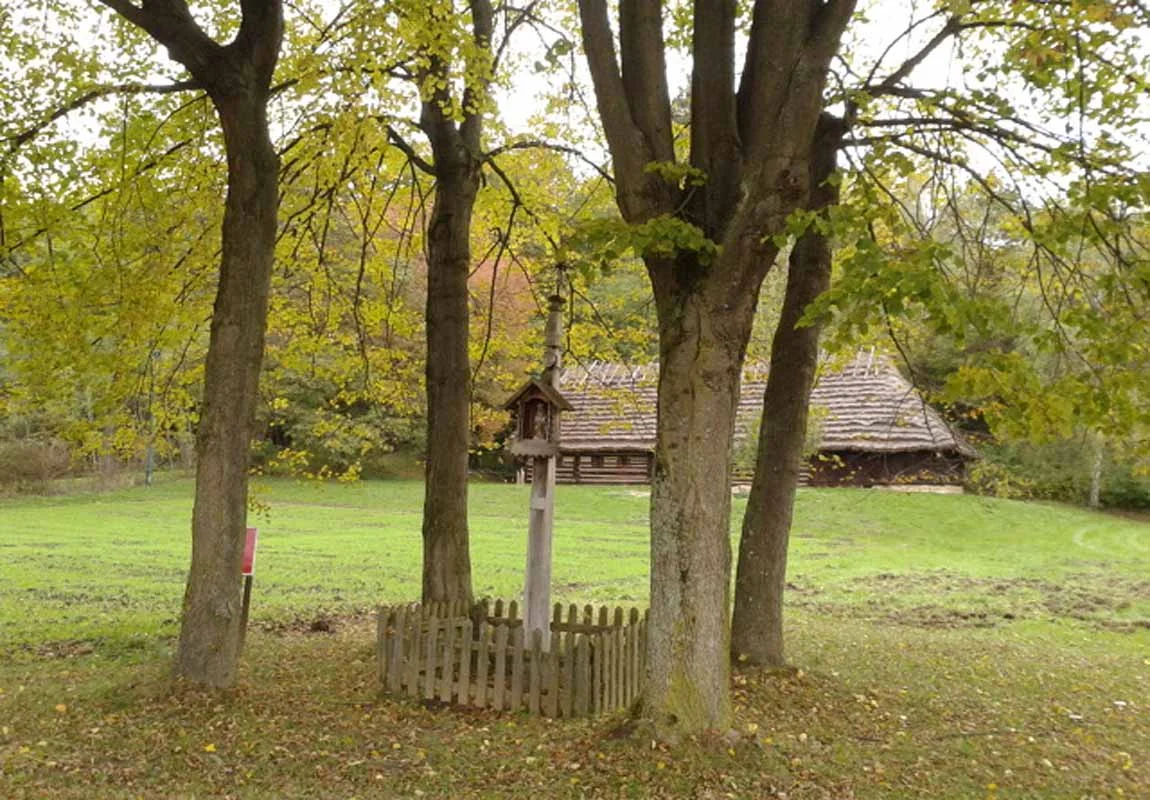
(457, 168)
(210, 636)
(446, 548)
(236, 77)
(752, 144)
(701, 356)
(757, 626)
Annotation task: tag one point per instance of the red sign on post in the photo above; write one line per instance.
(250, 552)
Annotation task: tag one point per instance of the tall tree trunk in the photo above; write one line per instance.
(701, 347)
(446, 548)
(757, 626)
(749, 147)
(456, 149)
(237, 77)
(209, 647)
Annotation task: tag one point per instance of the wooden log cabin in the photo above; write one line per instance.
(873, 427)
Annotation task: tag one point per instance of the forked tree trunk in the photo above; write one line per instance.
(446, 548)
(209, 646)
(757, 626)
(748, 154)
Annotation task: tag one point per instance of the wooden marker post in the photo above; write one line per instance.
(537, 406)
(249, 571)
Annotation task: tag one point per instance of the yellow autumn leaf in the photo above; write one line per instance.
(61, 708)
(209, 748)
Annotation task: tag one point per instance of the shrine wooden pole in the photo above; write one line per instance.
(537, 587)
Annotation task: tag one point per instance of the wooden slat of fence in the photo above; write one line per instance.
(481, 666)
(568, 687)
(608, 656)
(596, 645)
(536, 672)
(499, 608)
(500, 667)
(463, 688)
(398, 631)
(517, 669)
(383, 615)
(621, 641)
(642, 653)
(633, 636)
(447, 680)
(618, 660)
(414, 630)
(582, 676)
(429, 661)
(551, 699)
(608, 649)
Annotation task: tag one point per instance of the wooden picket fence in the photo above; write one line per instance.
(479, 656)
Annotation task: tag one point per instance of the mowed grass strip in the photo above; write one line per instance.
(111, 567)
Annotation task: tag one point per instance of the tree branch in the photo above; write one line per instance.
(15, 141)
(630, 150)
(644, 71)
(405, 147)
(715, 146)
(528, 144)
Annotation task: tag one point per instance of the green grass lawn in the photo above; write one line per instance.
(948, 646)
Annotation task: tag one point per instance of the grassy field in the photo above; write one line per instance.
(947, 647)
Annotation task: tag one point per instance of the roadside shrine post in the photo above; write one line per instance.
(536, 408)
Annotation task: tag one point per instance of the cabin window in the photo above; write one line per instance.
(624, 460)
(597, 462)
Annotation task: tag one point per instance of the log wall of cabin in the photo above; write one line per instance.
(824, 469)
(602, 468)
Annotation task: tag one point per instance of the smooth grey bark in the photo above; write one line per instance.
(236, 77)
(757, 625)
(752, 144)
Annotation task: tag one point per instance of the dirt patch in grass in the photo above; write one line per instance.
(943, 599)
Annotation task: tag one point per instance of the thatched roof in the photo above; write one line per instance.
(865, 405)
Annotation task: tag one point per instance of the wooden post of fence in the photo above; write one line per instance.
(569, 660)
(447, 681)
(481, 664)
(582, 675)
(617, 646)
(382, 614)
(398, 629)
(536, 672)
(429, 661)
(517, 668)
(415, 628)
(500, 667)
(633, 636)
(463, 691)
(552, 659)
